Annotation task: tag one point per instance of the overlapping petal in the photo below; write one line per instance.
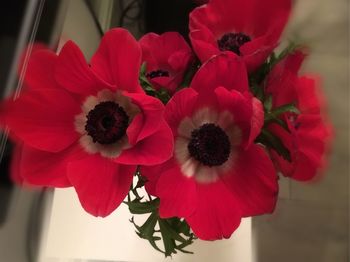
(101, 184)
(73, 73)
(117, 60)
(217, 213)
(38, 76)
(48, 169)
(152, 150)
(254, 182)
(178, 193)
(229, 71)
(147, 122)
(42, 118)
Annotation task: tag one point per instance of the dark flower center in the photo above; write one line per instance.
(157, 73)
(107, 123)
(209, 145)
(232, 42)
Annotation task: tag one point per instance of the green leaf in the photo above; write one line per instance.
(147, 229)
(183, 245)
(271, 141)
(285, 52)
(190, 72)
(166, 227)
(268, 104)
(174, 232)
(276, 112)
(143, 69)
(145, 84)
(284, 109)
(258, 76)
(137, 207)
(279, 122)
(163, 95)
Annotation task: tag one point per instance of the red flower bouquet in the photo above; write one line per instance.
(206, 132)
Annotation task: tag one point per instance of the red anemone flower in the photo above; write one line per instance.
(217, 175)
(167, 57)
(248, 28)
(310, 132)
(88, 126)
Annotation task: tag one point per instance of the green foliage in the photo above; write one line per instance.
(257, 82)
(190, 72)
(174, 233)
(273, 142)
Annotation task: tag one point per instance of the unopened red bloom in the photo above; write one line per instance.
(217, 174)
(309, 132)
(88, 126)
(248, 28)
(167, 57)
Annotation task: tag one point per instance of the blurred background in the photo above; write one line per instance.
(311, 222)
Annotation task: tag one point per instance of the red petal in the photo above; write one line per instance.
(204, 44)
(47, 169)
(181, 105)
(101, 185)
(223, 16)
(40, 70)
(257, 120)
(217, 213)
(270, 14)
(149, 43)
(28, 53)
(253, 181)
(180, 60)
(118, 60)
(43, 118)
(282, 80)
(177, 193)
(241, 109)
(227, 70)
(310, 97)
(257, 51)
(152, 150)
(308, 145)
(148, 121)
(247, 111)
(74, 74)
(169, 83)
(151, 173)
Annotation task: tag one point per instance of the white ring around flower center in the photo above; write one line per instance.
(190, 167)
(86, 141)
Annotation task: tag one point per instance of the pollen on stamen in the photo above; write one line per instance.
(107, 123)
(232, 42)
(209, 145)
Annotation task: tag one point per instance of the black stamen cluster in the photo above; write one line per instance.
(232, 42)
(157, 73)
(107, 123)
(209, 145)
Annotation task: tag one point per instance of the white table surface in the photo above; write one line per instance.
(72, 234)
